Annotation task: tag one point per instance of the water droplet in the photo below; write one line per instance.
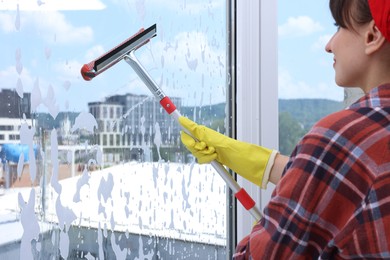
(19, 88)
(67, 84)
(17, 19)
(36, 97)
(18, 54)
(47, 53)
(162, 61)
(19, 67)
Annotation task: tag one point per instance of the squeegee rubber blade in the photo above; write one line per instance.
(122, 49)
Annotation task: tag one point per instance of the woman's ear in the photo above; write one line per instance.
(374, 39)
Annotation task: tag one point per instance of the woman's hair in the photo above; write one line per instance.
(348, 13)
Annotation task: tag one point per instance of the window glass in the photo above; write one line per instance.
(307, 91)
(96, 169)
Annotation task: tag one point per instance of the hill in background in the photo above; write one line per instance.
(309, 111)
(296, 117)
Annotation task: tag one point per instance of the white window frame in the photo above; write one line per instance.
(257, 90)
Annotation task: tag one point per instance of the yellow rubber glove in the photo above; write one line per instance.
(251, 161)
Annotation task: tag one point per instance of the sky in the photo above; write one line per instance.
(305, 70)
(44, 43)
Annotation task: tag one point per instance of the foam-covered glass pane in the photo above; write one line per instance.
(96, 168)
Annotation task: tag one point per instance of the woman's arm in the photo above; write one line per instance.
(278, 167)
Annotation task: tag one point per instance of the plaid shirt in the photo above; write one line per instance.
(333, 201)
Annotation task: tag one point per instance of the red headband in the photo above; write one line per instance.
(380, 11)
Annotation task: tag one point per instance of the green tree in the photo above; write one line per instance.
(290, 132)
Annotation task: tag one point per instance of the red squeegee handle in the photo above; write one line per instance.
(240, 193)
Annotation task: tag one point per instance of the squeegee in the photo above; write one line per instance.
(126, 51)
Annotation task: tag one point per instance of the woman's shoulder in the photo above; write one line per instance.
(361, 130)
(354, 121)
(336, 122)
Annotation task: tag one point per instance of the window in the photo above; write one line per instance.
(118, 140)
(307, 91)
(111, 112)
(105, 114)
(6, 128)
(104, 139)
(13, 137)
(118, 112)
(98, 112)
(142, 200)
(108, 126)
(281, 62)
(101, 126)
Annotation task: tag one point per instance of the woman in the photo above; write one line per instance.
(333, 200)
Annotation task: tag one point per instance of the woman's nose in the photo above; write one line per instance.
(328, 47)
